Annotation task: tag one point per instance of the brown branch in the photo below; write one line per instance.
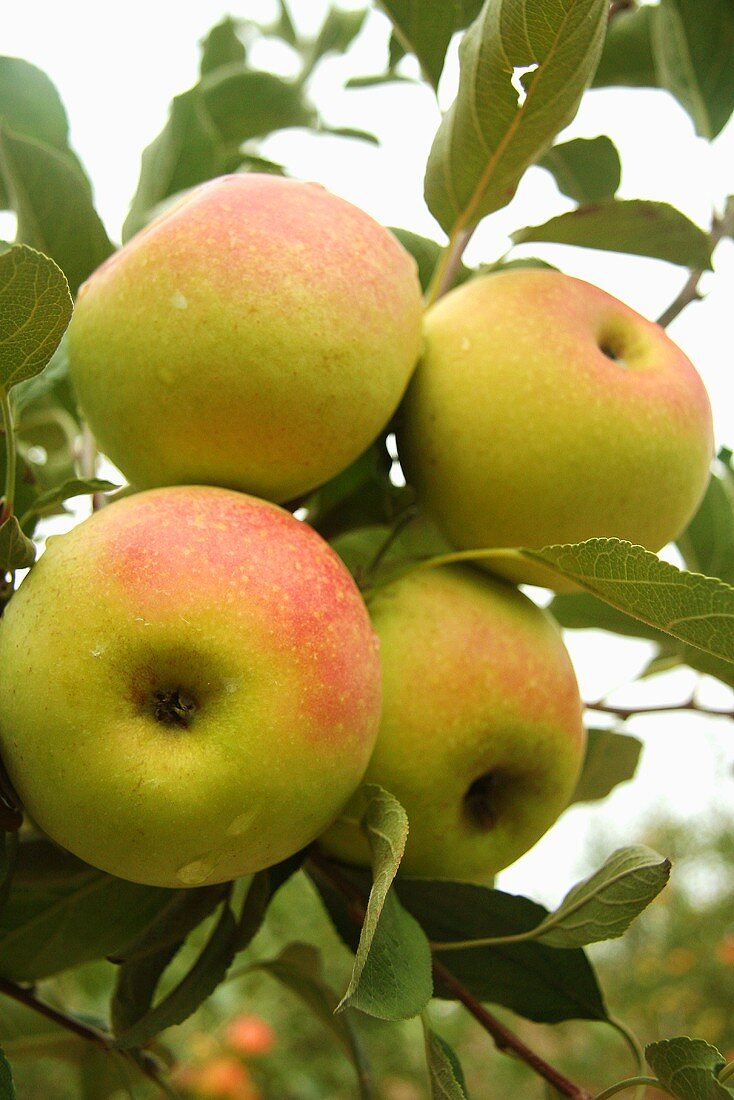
(690, 705)
(144, 1061)
(720, 227)
(504, 1039)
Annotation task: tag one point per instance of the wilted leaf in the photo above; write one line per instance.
(603, 906)
(688, 1068)
(611, 758)
(695, 609)
(497, 127)
(35, 308)
(692, 46)
(588, 170)
(391, 977)
(635, 226)
(444, 1070)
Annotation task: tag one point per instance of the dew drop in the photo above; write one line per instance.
(241, 823)
(178, 301)
(196, 872)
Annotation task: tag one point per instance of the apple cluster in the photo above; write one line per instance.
(193, 685)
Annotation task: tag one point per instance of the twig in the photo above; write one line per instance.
(691, 704)
(139, 1058)
(504, 1039)
(720, 227)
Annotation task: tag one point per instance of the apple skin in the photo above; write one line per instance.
(236, 607)
(231, 340)
(477, 683)
(519, 431)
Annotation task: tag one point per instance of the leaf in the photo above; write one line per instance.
(627, 55)
(444, 1071)
(205, 129)
(426, 253)
(49, 501)
(707, 544)
(688, 1068)
(7, 1092)
(298, 968)
(532, 979)
(425, 28)
(611, 758)
(62, 913)
(603, 906)
(391, 978)
(222, 46)
(588, 170)
(493, 132)
(52, 199)
(35, 308)
(692, 46)
(635, 226)
(697, 610)
(199, 983)
(16, 549)
(338, 31)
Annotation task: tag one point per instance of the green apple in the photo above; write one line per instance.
(545, 411)
(258, 336)
(190, 688)
(481, 737)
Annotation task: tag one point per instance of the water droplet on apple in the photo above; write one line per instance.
(465, 343)
(98, 650)
(241, 823)
(196, 872)
(178, 301)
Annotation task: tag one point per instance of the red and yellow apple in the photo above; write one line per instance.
(258, 335)
(481, 737)
(546, 411)
(190, 688)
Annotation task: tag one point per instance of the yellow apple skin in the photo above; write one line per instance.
(519, 431)
(481, 737)
(187, 597)
(258, 336)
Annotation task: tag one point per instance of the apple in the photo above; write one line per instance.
(190, 689)
(545, 411)
(258, 335)
(481, 737)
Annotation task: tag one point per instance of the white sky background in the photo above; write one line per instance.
(117, 69)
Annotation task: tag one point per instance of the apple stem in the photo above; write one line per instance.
(141, 1059)
(9, 497)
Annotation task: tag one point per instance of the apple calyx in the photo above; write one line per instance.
(174, 708)
(480, 800)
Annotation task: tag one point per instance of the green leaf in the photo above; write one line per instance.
(532, 979)
(205, 129)
(635, 226)
(16, 549)
(336, 35)
(692, 45)
(627, 59)
(707, 544)
(493, 132)
(426, 254)
(49, 502)
(199, 983)
(391, 978)
(62, 913)
(611, 758)
(35, 308)
(7, 1092)
(603, 906)
(222, 46)
(688, 1068)
(444, 1071)
(298, 967)
(588, 170)
(695, 609)
(424, 27)
(376, 554)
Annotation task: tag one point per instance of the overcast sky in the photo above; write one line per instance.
(117, 68)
